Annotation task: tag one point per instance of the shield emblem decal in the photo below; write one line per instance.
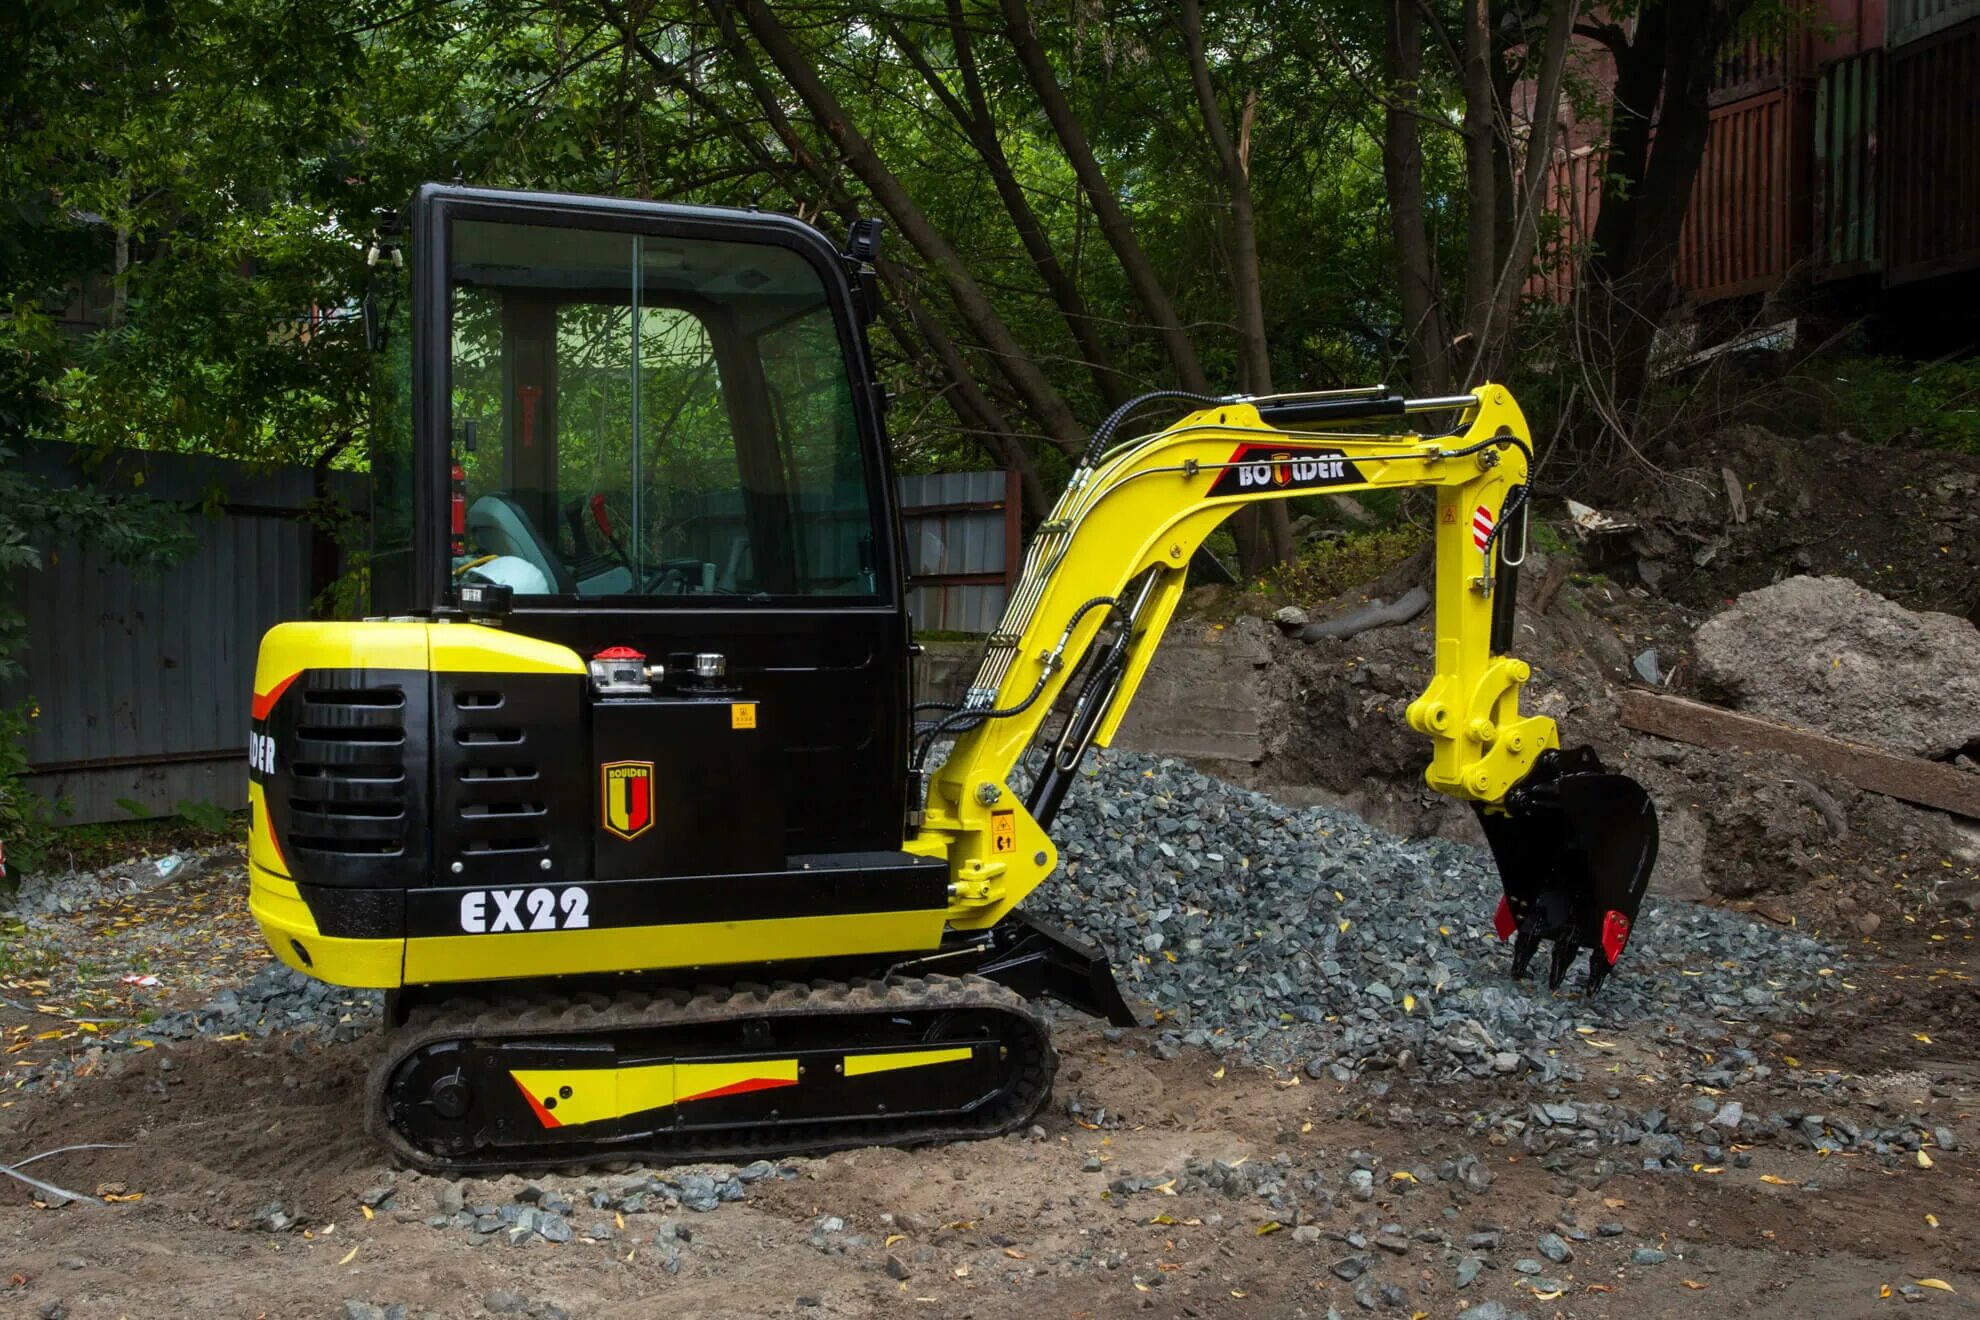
(626, 797)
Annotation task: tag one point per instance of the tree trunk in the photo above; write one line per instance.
(979, 126)
(1494, 350)
(1628, 283)
(1481, 172)
(1425, 339)
(1233, 162)
(1114, 226)
(971, 405)
(975, 307)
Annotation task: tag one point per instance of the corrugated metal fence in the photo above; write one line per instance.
(140, 679)
(1932, 154)
(1912, 19)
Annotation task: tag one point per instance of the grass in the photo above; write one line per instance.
(1330, 567)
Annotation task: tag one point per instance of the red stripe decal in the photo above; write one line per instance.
(738, 1088)
(543, 1115)
(261, 705)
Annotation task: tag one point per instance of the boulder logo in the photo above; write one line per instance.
(1265, 467)
(626, 790)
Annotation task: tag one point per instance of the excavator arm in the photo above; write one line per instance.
(1101, 580)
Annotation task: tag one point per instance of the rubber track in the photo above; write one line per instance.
(513, 1019)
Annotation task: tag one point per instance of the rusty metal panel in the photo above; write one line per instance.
(1763, 62)
(1574, 199)
(1848, 238)
(1932, 156)
(1914, 20)
(1745, 226)
(1838, 29)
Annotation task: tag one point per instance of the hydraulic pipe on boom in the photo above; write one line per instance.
(1574, 843)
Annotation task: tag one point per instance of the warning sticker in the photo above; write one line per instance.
(742, 715)
(1003, 831)
(1481, 526)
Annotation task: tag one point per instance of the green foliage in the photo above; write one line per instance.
(1329, 567)
(204, 815)
(1886, 401)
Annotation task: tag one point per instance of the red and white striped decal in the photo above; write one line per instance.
(1481, 526)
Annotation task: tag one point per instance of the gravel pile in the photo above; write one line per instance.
(274, 999)
(1303, 935)
(52, 892)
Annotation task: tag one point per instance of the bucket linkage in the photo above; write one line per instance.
(1575, 845)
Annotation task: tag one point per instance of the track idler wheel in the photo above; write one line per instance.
(1575, 846)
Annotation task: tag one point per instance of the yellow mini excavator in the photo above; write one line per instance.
(621, 795)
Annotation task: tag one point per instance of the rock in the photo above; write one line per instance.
(448, 1198)
(896, 1267)
(554, 1229)
(1306, 1234)
(1349, 1268)
(55, 1310)
(1648, 1256)
(274, 1218)
(1729, 1116)
(1528, 1265)
(699, 1192)
(1555, 1248)
(354, 1310)
(375, 1196)
(1291, 618)
(1827, 654)
(1467, 1270)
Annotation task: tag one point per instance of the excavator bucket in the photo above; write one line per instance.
(1575, 845)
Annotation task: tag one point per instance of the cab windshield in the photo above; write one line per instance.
(651, 417)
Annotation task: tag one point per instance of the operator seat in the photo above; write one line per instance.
(499, 525)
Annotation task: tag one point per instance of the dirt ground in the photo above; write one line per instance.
(217, 1130)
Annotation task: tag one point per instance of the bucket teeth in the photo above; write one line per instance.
(1563, 961)
(1575, 845)
(1526, 942)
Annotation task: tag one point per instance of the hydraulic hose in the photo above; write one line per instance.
(1103, 435)
(965, 719)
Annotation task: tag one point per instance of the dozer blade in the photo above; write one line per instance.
(1575, 845)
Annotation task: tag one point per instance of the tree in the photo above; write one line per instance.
(1628, 283)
